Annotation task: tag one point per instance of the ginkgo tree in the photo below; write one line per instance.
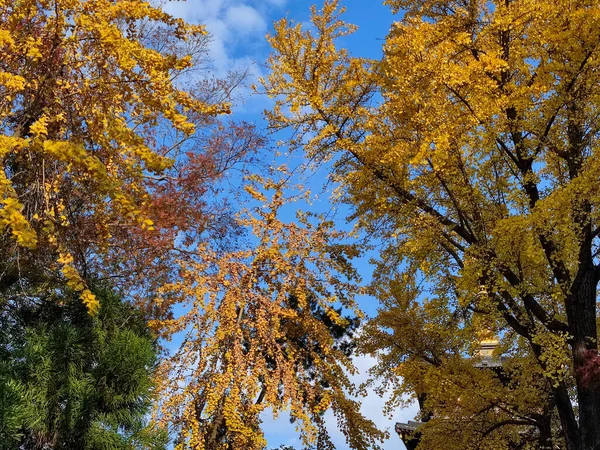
(470, 150)
(428, 350)
(264, 331)
(90, 94)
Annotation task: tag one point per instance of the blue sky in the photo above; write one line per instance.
(238, 28)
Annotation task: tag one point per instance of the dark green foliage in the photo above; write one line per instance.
(72, 381)
(13, 409)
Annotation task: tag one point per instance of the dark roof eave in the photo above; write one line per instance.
(407, 427)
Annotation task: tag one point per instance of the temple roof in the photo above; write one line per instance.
(485, 358)
(407, 427)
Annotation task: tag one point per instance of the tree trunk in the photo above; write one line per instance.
(568, 422)
(545, 427)
(581, 315)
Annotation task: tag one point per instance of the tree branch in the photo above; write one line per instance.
(405, 195)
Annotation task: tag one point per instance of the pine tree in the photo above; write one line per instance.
(77, 381)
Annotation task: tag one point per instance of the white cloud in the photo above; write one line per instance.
(245, 20)
(196, 11)
(218, 29)
(237, 30)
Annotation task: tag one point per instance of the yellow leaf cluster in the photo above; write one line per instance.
(469, 151)
(253, 342)
(83, 85)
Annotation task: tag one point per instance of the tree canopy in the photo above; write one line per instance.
(470, 152)
(71, 380)
(113, 152)
(264, 330)
(92, 119)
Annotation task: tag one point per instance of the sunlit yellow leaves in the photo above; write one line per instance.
(11, 216)
(253, 342)
(254, 193)
(76, 283)
(13, 83)
(555, 355)
(469, 151)
(84, 89)
(6, 39)
(40, 127)
(33, 48)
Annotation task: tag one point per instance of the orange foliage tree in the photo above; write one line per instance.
(263, 332)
